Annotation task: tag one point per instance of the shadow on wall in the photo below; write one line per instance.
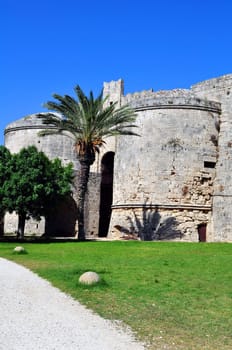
(62, 220)
(152, 226)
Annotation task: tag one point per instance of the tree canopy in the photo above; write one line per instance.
(35, 184)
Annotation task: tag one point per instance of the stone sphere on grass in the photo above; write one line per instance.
(89, 278)
(19, 250)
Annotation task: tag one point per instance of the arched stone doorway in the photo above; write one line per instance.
(106, 196)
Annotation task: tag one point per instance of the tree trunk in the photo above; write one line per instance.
(81, 192)
(1, 224)
(21, 225)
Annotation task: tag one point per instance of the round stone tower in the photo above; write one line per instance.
(24, 132)
(163, 179)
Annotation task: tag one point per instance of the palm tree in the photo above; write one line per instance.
(88, 121)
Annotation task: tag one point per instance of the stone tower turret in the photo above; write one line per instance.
(115, 91)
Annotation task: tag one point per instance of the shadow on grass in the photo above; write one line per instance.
(102, 284)
(41, 239)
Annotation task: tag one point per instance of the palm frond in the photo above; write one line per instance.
(89, 120)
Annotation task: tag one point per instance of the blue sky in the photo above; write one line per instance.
(49, 46)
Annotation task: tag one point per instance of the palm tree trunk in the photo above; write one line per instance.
(81, 192)
(21, 225)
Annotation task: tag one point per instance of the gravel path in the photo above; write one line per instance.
(34, 315)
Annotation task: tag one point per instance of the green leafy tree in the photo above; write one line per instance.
(34, 185)
(88, 121)
(5, 161)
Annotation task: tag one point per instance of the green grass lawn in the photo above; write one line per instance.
(173, 295)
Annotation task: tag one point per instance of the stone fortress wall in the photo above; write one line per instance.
(173, 181)
(220, 90)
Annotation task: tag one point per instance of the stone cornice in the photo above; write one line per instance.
(28, 127)
(180, 106)
(163, 206)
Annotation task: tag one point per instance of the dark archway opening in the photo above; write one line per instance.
(202, 232)
(106, 196)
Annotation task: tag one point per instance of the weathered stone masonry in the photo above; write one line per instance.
(162, 182)
(172, 182)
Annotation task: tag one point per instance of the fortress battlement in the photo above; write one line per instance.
(187, 98)
(169, 99)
